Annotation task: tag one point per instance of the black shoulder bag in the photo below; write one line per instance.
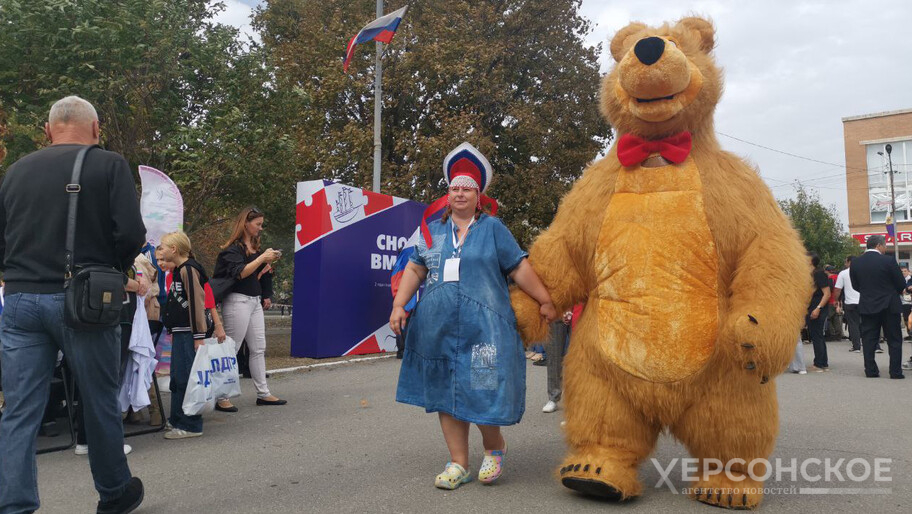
(221, 286)
(94, 293)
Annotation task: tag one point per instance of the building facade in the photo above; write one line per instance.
(868, 166)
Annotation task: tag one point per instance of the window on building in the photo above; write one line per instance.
(879, 183)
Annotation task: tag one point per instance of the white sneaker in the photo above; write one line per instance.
(83, 449)
(549, 407)
(178, 433)
(803, 372)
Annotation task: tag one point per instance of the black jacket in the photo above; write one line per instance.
(879, 281)
(232, 261)
(33, 217)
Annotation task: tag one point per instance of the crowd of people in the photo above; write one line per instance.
(872, 297)
(164, 288)
(462, 359)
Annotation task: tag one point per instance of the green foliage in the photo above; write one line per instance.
(235, 123)
(513, 77)
(819, 227)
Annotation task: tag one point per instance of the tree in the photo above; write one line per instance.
(819, 227)
(513, 77)
(173, 90)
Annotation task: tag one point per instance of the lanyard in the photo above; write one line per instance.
(457, 244)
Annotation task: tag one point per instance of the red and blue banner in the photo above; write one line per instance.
(382, 29)
(346, 246)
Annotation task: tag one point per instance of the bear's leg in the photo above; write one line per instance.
(607, 437)
(728, 429)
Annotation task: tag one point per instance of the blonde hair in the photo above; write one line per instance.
(179, 241)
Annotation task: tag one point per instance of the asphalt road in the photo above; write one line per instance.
(344, 445)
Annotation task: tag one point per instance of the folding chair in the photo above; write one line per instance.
(156, 334)
(69, 386)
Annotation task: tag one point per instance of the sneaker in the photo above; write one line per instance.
(179, 433)
(128, 501)
(803, 372)
(907, 364)
(550, 407)
(879, 350)
(492, 465)
(542, 362)
(815, 369)
(853, 350)
(83, 449)
(452, 477)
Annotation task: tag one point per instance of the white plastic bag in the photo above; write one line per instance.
(223, 369)
(199, 398)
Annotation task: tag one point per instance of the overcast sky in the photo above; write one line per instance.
(793, 70)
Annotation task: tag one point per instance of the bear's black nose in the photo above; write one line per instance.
(649, 50)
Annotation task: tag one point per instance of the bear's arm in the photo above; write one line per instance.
(768, 272)
(562, 255)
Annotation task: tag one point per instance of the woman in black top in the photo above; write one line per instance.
(242, 308)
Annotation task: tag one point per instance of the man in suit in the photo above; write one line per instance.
(878, 280)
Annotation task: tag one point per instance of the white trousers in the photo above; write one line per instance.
(243, 319)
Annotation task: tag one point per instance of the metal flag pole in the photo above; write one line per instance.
(377, 108)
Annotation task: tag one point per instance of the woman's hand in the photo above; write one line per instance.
(197, 343)
(219, 333)
(267, 304)
(548, 312)
(397, 320)
(270, 256)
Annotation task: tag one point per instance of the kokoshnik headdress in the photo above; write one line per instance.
(464, 161)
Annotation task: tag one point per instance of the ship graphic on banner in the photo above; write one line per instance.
(346, 243)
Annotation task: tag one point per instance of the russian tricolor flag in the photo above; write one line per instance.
(398, 268)
(382, 29)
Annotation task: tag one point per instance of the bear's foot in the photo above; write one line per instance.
(600, 478)
(722, 491)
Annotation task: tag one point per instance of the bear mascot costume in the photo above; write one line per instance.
(695, 283)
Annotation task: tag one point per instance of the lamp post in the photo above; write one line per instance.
(889, 149)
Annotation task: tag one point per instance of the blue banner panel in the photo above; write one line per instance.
(347, 240)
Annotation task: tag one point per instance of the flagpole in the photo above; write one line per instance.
(378, 77)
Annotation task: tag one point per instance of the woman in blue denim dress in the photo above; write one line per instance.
(463, 356)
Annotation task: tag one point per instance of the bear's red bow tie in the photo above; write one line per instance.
(633, 150)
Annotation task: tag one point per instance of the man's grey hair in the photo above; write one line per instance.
(72, 109)
(875, 241)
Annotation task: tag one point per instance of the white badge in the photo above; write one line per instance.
(451, 270)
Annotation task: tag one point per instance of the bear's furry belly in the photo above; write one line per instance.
(657, 311)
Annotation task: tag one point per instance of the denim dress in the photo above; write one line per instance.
(463, 355)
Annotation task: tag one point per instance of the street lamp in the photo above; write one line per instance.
(889, 149)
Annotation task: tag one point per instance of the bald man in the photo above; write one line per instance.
(109, 231)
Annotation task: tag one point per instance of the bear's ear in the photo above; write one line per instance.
(703, 29)
(617, 43)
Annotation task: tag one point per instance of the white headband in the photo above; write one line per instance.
(464, 181)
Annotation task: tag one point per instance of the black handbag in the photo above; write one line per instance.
(93, 293)
(221, 287)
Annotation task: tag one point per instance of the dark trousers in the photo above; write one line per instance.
(815, 333)
(32, 330)
(853, 320)
(871, 325)
(556, 347)
(182, 355)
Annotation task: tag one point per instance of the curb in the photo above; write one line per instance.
(327, 364)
